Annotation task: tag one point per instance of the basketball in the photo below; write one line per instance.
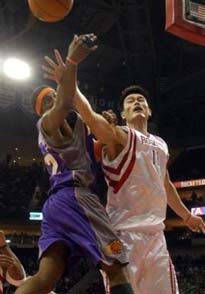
(50, 10)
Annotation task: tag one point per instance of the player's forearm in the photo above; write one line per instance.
(102, 130)
(67, 87)
(176, 203)
(83, 107)
(53, 119)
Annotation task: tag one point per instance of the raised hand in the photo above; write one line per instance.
(81, 47)
(54, 70)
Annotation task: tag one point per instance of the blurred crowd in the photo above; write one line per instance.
(24, 189)
(86, 279)
(21, 189)
(190, 270)
(83, 279)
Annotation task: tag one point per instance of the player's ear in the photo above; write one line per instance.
(149, 111)
(122, 114)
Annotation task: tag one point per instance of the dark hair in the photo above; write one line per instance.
(133, 89)
(35, 94)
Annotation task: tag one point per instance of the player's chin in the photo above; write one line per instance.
(140, 115)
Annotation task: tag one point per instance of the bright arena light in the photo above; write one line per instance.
(16, 69)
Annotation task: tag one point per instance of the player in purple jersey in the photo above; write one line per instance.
(74, 222)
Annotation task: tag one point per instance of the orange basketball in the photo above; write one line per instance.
(50, 10)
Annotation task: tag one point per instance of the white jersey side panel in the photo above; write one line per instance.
(136, 194)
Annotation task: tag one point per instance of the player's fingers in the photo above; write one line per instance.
(111, 111)
(85, 47)
(105, 114)
(6, 259)
(74, 41)
(94, 48)
(50, 61)
(202, 227)
(90, 35)
(47, 69)
(49, 77)
(93, 37)
(75, 38)
(58, 57)
(88, 40)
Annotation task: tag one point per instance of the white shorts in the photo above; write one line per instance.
(151, 269)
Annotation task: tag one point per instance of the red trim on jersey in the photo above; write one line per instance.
(117, 170)
(118, 184)
(172, 277)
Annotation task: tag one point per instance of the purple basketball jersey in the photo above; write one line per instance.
(74, 164)
(72, 214)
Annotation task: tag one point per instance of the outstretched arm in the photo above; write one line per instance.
(64, 74)
(55, 116)
(104, 132)
(194, 223)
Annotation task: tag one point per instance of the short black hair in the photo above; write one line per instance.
(133, 89)
(35, 94)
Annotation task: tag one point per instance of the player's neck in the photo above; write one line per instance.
(139, 125)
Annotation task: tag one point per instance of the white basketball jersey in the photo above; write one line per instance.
(136, 194)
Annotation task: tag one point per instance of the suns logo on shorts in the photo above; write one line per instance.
(114, 247)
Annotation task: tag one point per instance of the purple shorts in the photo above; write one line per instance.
(75, 217)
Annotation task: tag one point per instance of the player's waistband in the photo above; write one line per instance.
(141, 229)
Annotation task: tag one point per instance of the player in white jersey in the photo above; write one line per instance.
(137, 203)
(11, 270)
(139, 189)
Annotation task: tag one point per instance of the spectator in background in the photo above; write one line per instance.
(11, 269)
(8, 159)
(194, 196)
